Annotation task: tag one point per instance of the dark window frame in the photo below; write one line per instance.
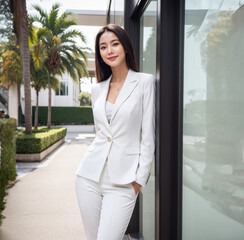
(169, 121)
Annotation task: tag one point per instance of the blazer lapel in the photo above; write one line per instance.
(127, 88)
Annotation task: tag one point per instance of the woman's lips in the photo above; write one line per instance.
(112, 58)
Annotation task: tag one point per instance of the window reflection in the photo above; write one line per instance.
(148, 65)
(117, 12)
(213, 151)
(63, 89)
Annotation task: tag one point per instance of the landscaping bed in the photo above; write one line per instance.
(37, 146)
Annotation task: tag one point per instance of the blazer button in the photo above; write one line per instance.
(109, 139)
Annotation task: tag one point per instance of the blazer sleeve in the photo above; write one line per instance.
(147, 144)
(93, 99)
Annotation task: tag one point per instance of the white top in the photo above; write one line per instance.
(109, 109)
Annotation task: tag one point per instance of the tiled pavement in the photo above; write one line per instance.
(42, 204)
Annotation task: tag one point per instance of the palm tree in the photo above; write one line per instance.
(63, 55)
(21, 30)
(39, 72)
(10, 67)
(39, 79)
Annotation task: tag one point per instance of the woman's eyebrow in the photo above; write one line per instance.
(114, 40)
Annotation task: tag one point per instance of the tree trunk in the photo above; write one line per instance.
(19, 105)
(36, 111)
(21, 26)
(49, 104)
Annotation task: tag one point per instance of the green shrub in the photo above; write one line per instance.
(7, 157)
(85, 99)
(41, 139)
(65, 115)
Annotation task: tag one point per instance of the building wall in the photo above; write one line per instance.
(57, 100)
(13, 102)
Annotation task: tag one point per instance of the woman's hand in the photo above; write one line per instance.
(136, 186)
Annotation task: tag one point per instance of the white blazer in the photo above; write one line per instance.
(129, 140)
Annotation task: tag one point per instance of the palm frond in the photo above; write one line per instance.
(193, 30)
(59, 23)
(64, 25)
(69, 68)
(54, 82)
(53, 15)
(62, 52)
(43, 15)
(81, 68)
(70, 34)
(42, 32)
(75, 51)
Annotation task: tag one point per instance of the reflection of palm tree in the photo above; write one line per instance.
(223, 175)
(223, 53)
(193, 30)
(63, 55)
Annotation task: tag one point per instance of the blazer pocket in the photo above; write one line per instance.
(91, 148)
(132, 150)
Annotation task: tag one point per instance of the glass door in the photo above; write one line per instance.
(213, 130)
(148, 65)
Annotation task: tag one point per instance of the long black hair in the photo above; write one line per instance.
(103, 71)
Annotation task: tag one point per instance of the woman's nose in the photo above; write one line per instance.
(110, 49)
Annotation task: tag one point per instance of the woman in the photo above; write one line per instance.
(117, 164)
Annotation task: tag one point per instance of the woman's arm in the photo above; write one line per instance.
(147, 145)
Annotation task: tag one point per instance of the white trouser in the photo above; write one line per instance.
(105, 208)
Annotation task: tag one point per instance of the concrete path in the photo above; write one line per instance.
(42, 204)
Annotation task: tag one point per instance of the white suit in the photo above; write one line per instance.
(129, 140)
(104, 189)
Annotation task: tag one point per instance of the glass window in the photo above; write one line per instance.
(148, 65)
(148, 39)
(63, 89)
(117, 12)
(3, 100)
(213, 132)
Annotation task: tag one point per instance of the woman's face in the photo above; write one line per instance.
(111, 50)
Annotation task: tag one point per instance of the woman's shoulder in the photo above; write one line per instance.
(94, 86)
(145, 78)
(142, 75)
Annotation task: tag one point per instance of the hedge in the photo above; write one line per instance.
(41, 139)
(7, 158)
(65, 115)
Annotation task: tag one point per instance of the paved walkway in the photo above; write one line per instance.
(42, 204)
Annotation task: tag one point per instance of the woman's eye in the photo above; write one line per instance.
(102, 48)
(116, 44)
